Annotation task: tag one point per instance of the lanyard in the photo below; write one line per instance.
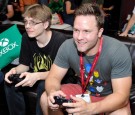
(84, 84)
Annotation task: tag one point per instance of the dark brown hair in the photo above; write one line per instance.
(91, 9)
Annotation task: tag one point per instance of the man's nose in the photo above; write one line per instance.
(27, 25)
(80, 35)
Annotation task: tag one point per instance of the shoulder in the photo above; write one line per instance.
(59, 35)
(68, 47)
(69, 43)
(111, 41)
(25, 37)
(112, 46)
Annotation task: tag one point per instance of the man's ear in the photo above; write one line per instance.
(100, 32)
(46, 24)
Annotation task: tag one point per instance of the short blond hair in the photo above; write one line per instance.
(39, 12)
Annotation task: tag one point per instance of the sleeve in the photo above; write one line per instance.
(25, 51)
(121, 63)
(62, 38)
(61, 59)
(59, 37)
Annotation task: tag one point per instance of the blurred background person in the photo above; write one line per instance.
(108, 7)
(129, 25)
(24, 4)
(69, 7)
(6, 11)
(17, 12)
(56, 6)
(43, 2)
(99, 2)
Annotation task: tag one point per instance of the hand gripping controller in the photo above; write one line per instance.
(61, 100)
(15, 78)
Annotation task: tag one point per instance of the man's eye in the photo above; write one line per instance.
(86, 31)
(75, 30)
(32, 22)
(25, 21)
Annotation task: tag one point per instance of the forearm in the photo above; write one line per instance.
(21, 68)
(22, 9)
(53, 80)
(52, 84)
(21, 6)
(70, 12)
(10, 15)
(42, 75)
(109, 104)
(105, 9)
(10, 11)
(130, 24)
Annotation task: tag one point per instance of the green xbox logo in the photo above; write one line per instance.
(4, 42)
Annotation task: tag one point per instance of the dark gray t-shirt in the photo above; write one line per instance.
(114, 62)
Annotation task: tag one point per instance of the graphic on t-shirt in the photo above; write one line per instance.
(96, 74)
(42, 62)
(99, 88)
(87, 67)
(96, 85)
(91, 80)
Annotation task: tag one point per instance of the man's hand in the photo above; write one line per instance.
(123, 34)
(12, 71)
(78, 107)
(51, 99)
(29, 80)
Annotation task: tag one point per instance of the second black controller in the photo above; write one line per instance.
(15, 78)
(61, 100)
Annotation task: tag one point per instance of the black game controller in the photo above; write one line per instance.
(15, 78)
(61, 100)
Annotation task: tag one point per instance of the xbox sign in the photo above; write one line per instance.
(7, 46)
(10, 44)
(4, 42)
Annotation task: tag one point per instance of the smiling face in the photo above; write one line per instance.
(86, 34)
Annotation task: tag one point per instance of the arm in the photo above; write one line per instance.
(117, 100)
(30, 78)
(10, 11)
(101, 7)
(21, 6)
(17, 70)
(56, 74)
(109, 8)
(21, 68)
(121, 90)
(68, 8)
(53, 83)
(129, 25)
